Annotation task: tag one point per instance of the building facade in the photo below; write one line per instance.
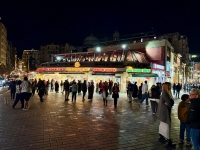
(10, 55)
(47, 50)
(180, 45)
(30, 59)
(3, 43)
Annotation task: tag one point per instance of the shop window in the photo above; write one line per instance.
(113, 57)
(129, 56)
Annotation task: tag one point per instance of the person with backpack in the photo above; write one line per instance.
(183, 109)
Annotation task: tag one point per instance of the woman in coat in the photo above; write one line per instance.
(164, 113)
(105, 93)
(115, 94)
(90, 90)
(56, 87)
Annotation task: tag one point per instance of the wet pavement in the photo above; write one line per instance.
(58, 124)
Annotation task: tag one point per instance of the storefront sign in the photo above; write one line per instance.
(139, 70)
(50, 69)
(77, 69)
(156, 66)
(104, 69)
(77, 64)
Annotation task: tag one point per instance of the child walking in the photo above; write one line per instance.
(183, 109)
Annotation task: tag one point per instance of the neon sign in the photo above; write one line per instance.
(50, 69)
(77, 69)
(139, 70)
(104, 69)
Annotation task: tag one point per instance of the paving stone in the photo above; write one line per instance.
(58, 124)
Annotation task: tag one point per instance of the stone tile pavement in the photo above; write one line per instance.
(58, 124)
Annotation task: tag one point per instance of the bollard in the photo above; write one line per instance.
(6, 100)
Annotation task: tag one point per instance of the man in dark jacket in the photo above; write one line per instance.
(130, 91)
(66, 88)
(154, 96)
(193, 118)
(178, 88)
(12, 89)
(84, 89)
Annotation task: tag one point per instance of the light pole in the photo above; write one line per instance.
(178, 74)
(123, 47)
(184, 73)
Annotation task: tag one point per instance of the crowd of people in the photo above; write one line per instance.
(161, 97)
(42, 87)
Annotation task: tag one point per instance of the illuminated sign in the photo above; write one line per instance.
(77, 64)
(138, 70)
(77, 69)
(104, 69)
(50, 69)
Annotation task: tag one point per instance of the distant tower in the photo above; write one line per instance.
(116, 36)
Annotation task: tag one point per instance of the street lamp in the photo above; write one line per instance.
(123, 47)
(98, 49)
(184, 73)
(178, 74)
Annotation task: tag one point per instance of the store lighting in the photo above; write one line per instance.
(58, 58)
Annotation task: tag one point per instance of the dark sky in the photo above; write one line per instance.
(31, 23)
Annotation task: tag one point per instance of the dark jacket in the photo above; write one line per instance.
(135, 90)
(130, 87)
(155, 93)
(66, 86)
(115, 92)
(84, 87)
(12, 86)
(193, 116)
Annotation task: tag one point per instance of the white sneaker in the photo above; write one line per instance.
(25, 109)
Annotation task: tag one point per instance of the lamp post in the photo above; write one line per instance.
(123, 47)
(184, 73)
(178, 74)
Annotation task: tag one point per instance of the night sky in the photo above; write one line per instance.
(31, 23)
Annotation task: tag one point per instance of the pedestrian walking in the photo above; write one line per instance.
(174, 88)
(164, 113)
(140, 91)
(178, 89)
(74, 91)
(79, 87)
(84, 89)
(91, 91)
(61, 86)
(105, 93)
(56, 87)
(115, 94)
(135, 91)
(130, 91)
(66, 89)
(144, 94)
(26, 92)
(154, 95)
(33, 87)
(18, 95)
(183, 109)
(41, 91)
(12, 88)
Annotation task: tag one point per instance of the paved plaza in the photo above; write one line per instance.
(58, 124)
